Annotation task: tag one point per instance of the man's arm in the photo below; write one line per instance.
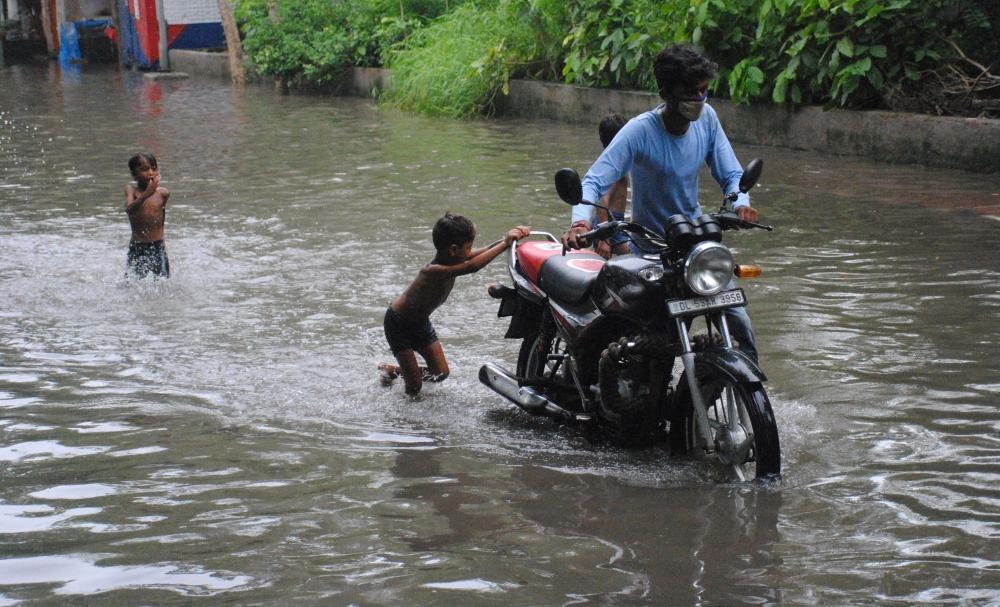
(611, 166)
(727, 172)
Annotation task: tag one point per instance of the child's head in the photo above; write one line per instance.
(453, 231)
(141, 163)
(609, 127)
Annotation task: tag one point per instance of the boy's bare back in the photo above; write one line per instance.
(435, 280)
(424, 295)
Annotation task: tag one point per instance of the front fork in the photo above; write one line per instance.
(702, 425)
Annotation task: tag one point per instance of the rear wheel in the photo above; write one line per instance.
(741, 423)
(542, 363)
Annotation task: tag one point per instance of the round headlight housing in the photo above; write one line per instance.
(708, 268)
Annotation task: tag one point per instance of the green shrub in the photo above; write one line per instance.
(458, 64)
(852, 53)
(310, 42)
(612, 44)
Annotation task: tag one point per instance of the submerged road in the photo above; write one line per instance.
(222, 438)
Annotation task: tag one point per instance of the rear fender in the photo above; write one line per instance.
(525, 315)
(733, 363)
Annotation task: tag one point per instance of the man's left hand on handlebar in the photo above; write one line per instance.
(747, 213)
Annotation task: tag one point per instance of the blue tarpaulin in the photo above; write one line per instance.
(69, 44)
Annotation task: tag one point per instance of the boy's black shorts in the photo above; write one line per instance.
(148, 258)
(403, 334)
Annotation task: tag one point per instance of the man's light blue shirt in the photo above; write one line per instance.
(664, 168)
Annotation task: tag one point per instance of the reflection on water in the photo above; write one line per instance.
(221, 438)
(82, 575)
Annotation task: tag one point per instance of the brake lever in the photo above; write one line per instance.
(731, 218)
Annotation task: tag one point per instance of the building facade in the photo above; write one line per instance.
(135, 26)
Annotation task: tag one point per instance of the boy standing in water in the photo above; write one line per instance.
(407, 322)
(146, 206)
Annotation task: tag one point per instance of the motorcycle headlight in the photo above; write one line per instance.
(708, 268)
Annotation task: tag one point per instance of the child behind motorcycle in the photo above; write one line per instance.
(407, 324)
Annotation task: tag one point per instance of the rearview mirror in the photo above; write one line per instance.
(568, 186)
(751, 174)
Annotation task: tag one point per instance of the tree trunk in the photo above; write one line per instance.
(233, 44)
(272, 12)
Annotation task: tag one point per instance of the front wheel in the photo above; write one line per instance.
(741, 423)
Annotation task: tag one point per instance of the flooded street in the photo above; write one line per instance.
(222, 438)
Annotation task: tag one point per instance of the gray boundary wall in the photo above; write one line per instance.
(972, 144)
(200, 63)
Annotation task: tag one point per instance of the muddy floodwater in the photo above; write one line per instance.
(222, 438)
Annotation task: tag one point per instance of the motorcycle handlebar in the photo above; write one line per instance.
(731, 221)
(727, 221)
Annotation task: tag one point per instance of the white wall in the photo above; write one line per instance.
(183, 12)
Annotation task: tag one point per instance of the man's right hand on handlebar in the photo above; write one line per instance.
(571, 237)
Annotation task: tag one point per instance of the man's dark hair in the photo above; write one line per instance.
(452, 229)
(609, 127)
(133, 162)
(682, 64)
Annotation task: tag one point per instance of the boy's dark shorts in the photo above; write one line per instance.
(148, 258)
(403, 334)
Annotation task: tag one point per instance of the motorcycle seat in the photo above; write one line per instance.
(563, 278)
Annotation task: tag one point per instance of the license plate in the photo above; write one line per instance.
(698, 305)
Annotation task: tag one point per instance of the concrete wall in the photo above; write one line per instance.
(964, 143)
(200, 63)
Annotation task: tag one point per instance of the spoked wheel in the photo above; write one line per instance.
(543, 363)
(741, 422)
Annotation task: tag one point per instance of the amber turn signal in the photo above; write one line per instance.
(747, 271)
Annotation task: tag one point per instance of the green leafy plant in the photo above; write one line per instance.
(850, 53)
(310, 42)
(458, 64)
(612, 44)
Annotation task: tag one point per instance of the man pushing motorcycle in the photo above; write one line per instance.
(663, 150)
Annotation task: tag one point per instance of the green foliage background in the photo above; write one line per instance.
(310, 42)
(454, 57)
(459, 63)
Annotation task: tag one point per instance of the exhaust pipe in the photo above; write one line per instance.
(503, 383)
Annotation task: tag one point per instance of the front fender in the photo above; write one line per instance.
(733, 363)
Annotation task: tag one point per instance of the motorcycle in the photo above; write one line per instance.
(599, 338)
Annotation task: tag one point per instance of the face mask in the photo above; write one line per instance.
(691, 110)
